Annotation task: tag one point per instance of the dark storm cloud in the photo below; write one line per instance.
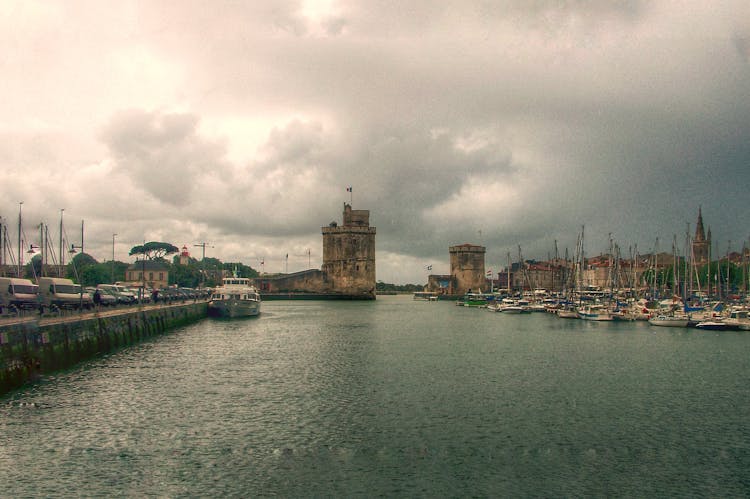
(162, 153)
(503, 123)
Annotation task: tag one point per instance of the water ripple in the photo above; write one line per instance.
(393, 398)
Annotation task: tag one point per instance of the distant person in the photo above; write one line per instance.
(97, 298)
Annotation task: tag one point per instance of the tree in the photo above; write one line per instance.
(83, 259)
(154, 250)
(241, 269)
(187, 276)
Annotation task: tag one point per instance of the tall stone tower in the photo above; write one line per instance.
(349, 255)
(467, 268)
(701, 243)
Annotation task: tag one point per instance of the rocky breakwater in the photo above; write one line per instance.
(32, 347)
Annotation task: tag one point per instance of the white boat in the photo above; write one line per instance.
(739, 317)
(236, 297)
(567, 313)
(594, 313)
(537, 307)
(669, 320)
(510, 306)
(425, 296)
(716, 325)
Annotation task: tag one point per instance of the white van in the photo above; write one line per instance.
(17, 294)
(57, 292)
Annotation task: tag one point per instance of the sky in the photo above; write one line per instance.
(509, 123)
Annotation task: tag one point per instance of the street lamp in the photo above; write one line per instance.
(113, 258)
(203, 264)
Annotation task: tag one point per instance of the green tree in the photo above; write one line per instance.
(83, 259)
(92, 275)
(33, 269)
(242, 269)
(187, 276)
(154, 250)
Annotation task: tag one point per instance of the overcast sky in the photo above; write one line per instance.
(507, 123)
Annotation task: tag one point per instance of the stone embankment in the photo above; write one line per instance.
(31, 347)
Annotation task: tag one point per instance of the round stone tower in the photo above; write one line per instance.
(349, 255)
(467, 268)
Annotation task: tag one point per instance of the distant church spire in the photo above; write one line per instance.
(700, 234)
(700, 243)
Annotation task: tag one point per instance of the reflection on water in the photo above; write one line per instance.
(392, 398)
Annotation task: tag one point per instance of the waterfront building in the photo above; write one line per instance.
(441, 284)
(155, 275)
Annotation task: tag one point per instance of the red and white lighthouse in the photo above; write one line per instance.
(184, 256)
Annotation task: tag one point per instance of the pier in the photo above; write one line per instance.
(32, 346)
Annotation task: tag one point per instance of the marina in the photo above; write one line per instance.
(393, 397)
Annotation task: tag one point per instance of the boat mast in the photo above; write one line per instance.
(688, 275)
(708, 272)
(508, 273)
(729, 244)
(675, 277)
(581, 263)
(20, 257)
(653, 268)
(2, 245)
(744, 270)
(62, 249)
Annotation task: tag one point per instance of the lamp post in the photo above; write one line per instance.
(113, 258)
(61, 272)
(203, 264)
(32, 250)
(20, 256)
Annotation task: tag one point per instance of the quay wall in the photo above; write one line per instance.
(32, 348)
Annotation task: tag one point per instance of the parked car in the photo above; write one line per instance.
(141, 294)
(170, 295)
(119, 292)
(105, 299)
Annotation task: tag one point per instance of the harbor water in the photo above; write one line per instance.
(393, 398)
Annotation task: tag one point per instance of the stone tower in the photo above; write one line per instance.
(701, 243)
(349, 255)
(467, 268)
